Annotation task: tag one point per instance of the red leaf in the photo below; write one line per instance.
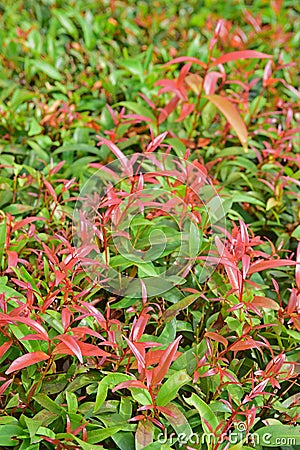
(91, 350)
(72, 344)
(33, 324)
(217, 337)
(129, 384)
(161, 370)
(156, 142)
(86, 350)
(140, 358)
(245, 345)
(18, 225)
(139, 326)
(166, 111)
(27, 360)
(232, 115)
(243, 54)
(270, 264)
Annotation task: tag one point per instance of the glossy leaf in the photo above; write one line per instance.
(27, 360)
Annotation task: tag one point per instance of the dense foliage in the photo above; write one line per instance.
(211, 363)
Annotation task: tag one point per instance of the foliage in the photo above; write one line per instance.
(87, 83)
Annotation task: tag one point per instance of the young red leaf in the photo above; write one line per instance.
(33, 324)
(270, 264)
(72, 344)
(27, 360)
(23, 222)
(217, 337)
(243, 54)
(232, 115)
(245, 345)
(118, 153)
(156, 142)
(51, 190)
(210, 82)
(161, 370)
(85, 348)
(140, 358)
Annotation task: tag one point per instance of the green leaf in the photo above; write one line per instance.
(32, 425)
(35, 128)
(83, 445)
(66, 22)
(169, 389)
(109, 381)
(141, 396)
(139, 109)
(174, 309)
(47, 69)
(6, 434)
(205, 412)
(77, 148)
(71, 402)
(294, 334)
(100, 434)
(43, 431)
(48, 404)
(279, 435)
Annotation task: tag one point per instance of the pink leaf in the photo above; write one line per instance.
(4, 347)
(232, 115)
(27, 360)
(187, 109)
(5, 386)
(243, 54)
(156, 142)
(181, 59)
(118, 153)
(50, 190)
(210, 82)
